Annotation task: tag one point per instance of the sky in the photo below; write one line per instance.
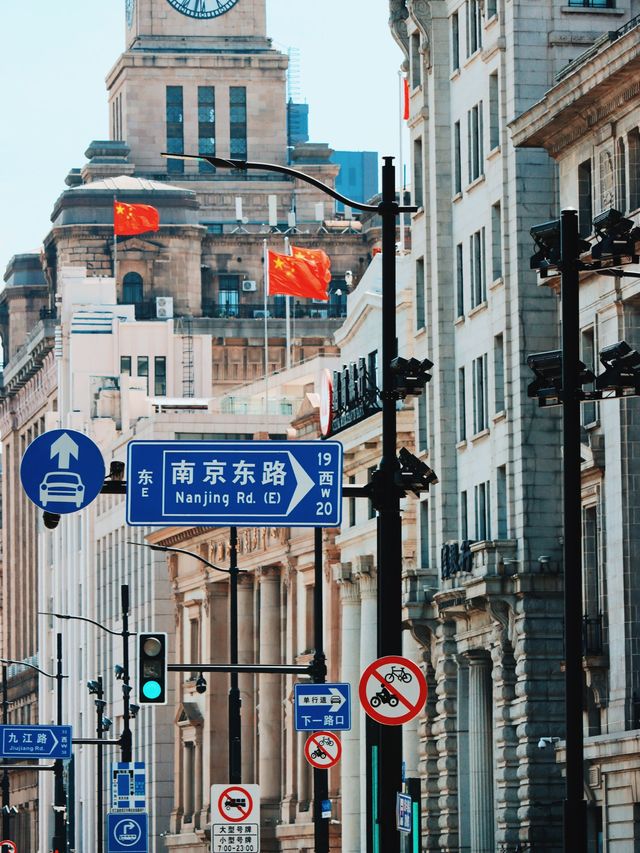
(55, 57)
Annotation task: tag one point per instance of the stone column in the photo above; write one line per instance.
(352, 840)
(269, 692)
(246, 683)
(368, 653)
(480, 755)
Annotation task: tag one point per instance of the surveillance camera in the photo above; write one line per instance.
(201, 684)
(543, 743)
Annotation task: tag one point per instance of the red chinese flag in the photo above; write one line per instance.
(318, 259)
(405, 89)
(131, 219)
(291, 276)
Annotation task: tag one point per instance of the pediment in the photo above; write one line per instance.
(137, 244)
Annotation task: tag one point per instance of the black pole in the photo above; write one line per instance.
(99, 781)
(235, 702)
(390, 529)
(127, 741)
(6, 790)
(575, 836)
(60, 798)
(320, 777)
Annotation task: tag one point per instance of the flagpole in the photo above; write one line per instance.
(266, 331)
(287, 312)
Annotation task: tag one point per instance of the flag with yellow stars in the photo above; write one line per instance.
(295, 276)
(131, 219)
(317, 258)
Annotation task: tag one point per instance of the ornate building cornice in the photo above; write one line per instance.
(398, 14)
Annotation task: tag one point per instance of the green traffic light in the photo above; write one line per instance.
(151, 690)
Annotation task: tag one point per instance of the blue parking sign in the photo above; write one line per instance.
(127, 832)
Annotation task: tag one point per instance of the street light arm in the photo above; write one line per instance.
(170, 549)
(31, 666)
(80, 619)
(244, 165)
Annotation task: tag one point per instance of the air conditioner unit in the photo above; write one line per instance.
(164, 307)
(249, 286)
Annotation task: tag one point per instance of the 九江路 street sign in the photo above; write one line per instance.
(322, 706)
(235, 483)
(35, 742)
(62, 471)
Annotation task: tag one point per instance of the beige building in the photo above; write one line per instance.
(589, 123)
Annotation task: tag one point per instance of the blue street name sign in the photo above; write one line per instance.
(322, 706)
(127, 832)
(403, 813)
(62, 471)
(35, 742)
(235, 483)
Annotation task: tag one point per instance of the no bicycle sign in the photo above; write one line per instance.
(323, 750)
(393, 690)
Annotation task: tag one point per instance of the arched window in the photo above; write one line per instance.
(132, 287)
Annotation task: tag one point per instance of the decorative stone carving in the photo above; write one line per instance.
(398, 14)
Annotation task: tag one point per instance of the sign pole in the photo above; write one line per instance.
(235, 702)
(320, 777)
(60, 797)
(127, 740)
(99, 779)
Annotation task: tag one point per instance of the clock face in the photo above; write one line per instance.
(202, 8)
(130, 6)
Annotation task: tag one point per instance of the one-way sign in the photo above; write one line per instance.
(322, 706)
(35, 742)
(235, 483)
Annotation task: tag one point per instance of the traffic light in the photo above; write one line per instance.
(152, 669)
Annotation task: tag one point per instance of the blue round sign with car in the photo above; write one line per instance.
(62, 471)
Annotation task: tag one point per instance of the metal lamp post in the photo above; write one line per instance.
(389, 520)
(59, 841)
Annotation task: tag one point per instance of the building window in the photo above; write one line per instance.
(238, 118)
(206, 125)
(482, 498)
(228, 295)
(503, 512)
(494, 111)
(585, 207)
(621, 176)
(142, 368)
(594, 4)
(607, 180)
(460, 280)
(132, 289)
(423, 433)
(420, 308)
(455, 42)
(372, 371)
(591, 559)
(478, 273)
(474, 142)
(160, 376)
(416, 75)
(464, 516)
(480, 407)
(125, 364)
(424, 534)
(194, 643)
(457, 159)
(175, 127)
(418, 197)
(633, 144)
(474, 31)
(352, 505)
(589, 410)
(492, 8)
(498, 372)
(496, 241)
(462, 405)
(189, 780)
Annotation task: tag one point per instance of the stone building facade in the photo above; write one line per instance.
(589, 123)
(488, 608)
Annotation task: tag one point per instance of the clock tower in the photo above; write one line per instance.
(197, 76)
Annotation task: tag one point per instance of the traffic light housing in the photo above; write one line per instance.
(152, 669)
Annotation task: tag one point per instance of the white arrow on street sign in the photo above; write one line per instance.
(64, 448)
(304, 483)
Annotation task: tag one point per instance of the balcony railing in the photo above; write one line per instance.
(255, 310)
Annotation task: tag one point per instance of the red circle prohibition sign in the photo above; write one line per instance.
(392, 683)
(323, 750)
(235, 798)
